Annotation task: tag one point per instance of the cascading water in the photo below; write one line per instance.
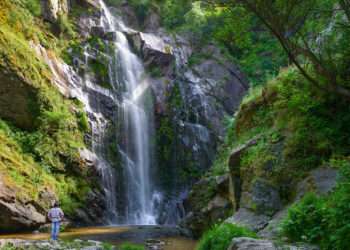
(127, 74)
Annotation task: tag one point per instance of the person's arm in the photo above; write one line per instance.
(61, 214)
(49, 215)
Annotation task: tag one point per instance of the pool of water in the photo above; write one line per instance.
(119, 235)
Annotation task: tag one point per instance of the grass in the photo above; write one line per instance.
(220, 236)
(130, 246)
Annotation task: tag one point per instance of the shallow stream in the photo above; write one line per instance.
(119, 235)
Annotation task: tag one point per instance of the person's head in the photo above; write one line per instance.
(56, 204)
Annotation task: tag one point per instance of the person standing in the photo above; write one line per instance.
(55, 215)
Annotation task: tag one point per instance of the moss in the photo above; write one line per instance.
(48, 155)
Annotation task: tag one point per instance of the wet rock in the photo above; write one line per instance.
(153, 49)
(244, 243)
(87, 21)
(97, 31)
(52, 9)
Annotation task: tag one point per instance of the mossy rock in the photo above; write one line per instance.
(18, 100)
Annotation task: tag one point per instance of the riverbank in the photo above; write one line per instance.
(170, 238)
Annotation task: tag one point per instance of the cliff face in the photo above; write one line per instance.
(275, 154)
(194, 90)
(59, 117)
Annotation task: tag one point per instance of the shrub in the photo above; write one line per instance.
(323, 220)
(220, 236)
(305, 220)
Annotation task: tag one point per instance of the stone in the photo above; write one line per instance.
(52, 245)
(321, 180)
(153, 49)
(245, 243)
(52, 9)
(265, 198)
(17, 214)
(249, 219)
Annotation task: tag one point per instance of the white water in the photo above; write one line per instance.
(128, 74)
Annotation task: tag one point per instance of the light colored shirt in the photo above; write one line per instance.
(55, 214)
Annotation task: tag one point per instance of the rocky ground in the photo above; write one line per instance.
(16, 244)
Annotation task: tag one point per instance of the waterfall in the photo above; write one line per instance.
(128, 77)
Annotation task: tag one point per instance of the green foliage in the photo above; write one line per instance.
(48, 156)
(129, 246)
(323, 220)
(220, 236)
(83, 122)
(65, 26)
(33, 6)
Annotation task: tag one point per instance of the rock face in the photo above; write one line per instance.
(209, 204)
(258, 202)
(18, 100)
(194, 89)
(20, 215)
(52, 9)
(244, 243)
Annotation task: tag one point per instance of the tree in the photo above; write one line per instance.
(312, 33)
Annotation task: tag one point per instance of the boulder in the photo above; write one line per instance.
(153, 49)
(52, 9)
(249, 219)
(321, 181)
(263, 198)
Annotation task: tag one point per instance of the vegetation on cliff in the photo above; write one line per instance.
(44, 153)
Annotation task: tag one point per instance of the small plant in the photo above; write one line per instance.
(130, 246)
(220, 236)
